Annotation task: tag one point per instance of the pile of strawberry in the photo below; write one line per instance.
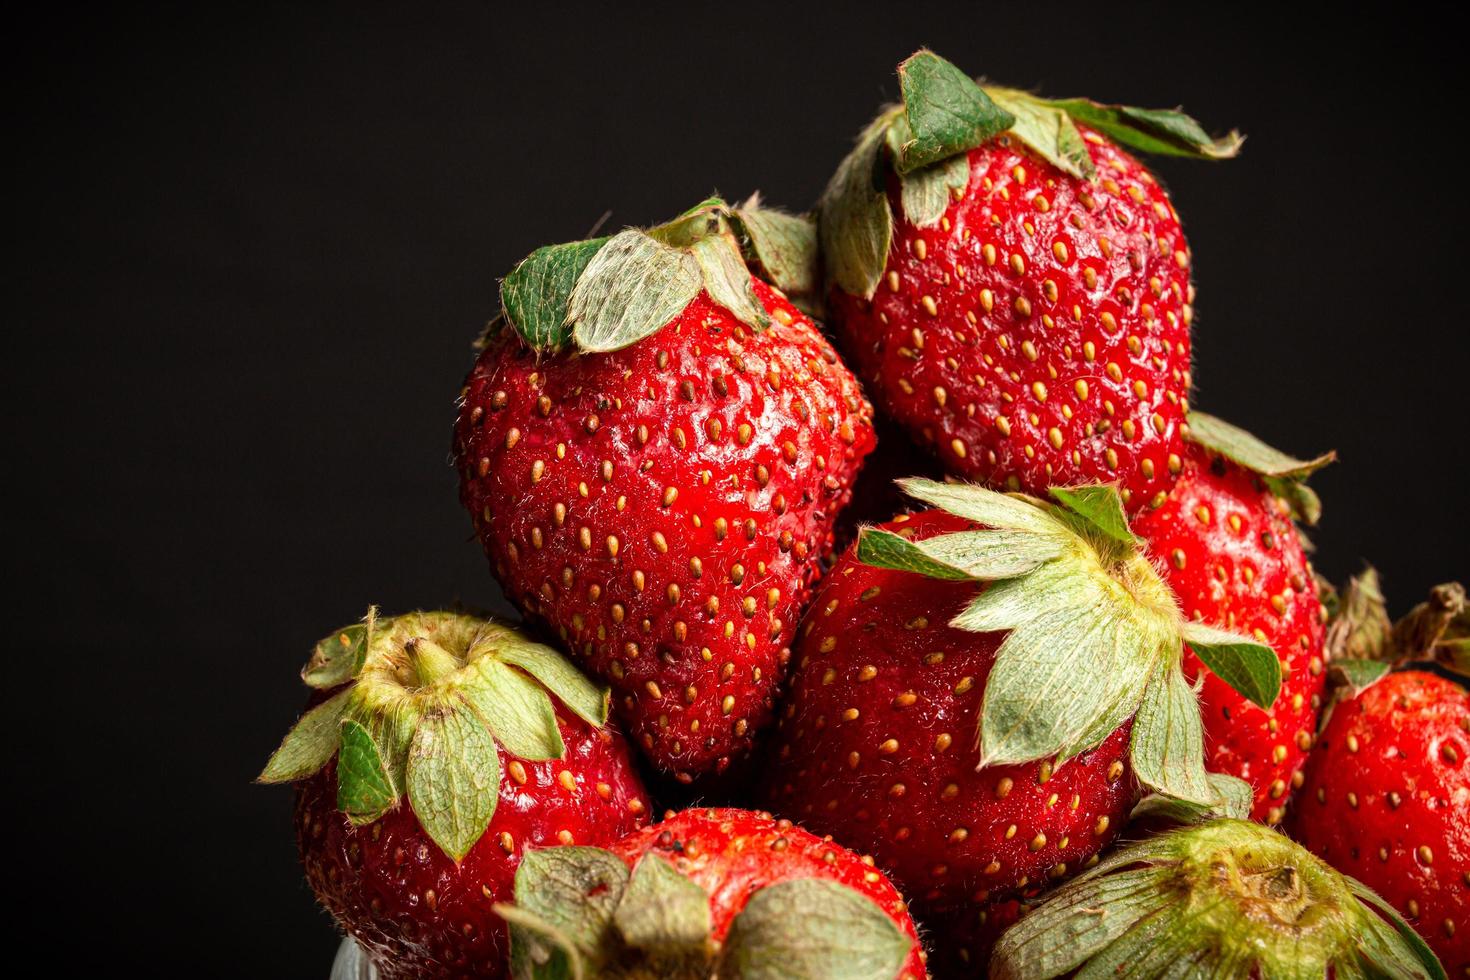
(1053, 711)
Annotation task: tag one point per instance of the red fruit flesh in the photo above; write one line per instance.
(733, 853)
(1387, 800)
(1038, 336)
(408, 904)
(665, 508)
(878, 744)
(1228, 549)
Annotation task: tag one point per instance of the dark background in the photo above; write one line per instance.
(254, 247)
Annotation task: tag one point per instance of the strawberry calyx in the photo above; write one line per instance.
(420, 704)
(603, 294)
(1363, 644)
(1225, 897)
(1093, 635)
(580, 912)
(942, 115)
(1285, 476)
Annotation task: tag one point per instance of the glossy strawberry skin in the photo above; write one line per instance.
(406, 902)
(732, 853)
(1228, 549)
(1038, 336)
(877, 744)
(1387, 800)
(665, 508)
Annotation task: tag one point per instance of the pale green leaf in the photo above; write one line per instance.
(785, 247)
(813, 929)
(1052, 680)
(1251, 668)
(1234, 798)
(1239, 446)
(662, 912)
(926, 194)
(1014, 602)
(338, 658)
(310, 742)
(633, 287)
(884, 549)
(585, 699)
(365, 791)
(993, 555)
(1077, 921)
(1167, 748)
(453, 777)
(1047, 130)
(855, 223)
(1166, 132)
(1390, 943)
(517, 709)
(1358, 675)
(946, 112)
(1100, 507)
(575, 890)
(727, 280)
(538, 950)
(983, 506)
(536, 293)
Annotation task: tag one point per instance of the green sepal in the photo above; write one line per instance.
(310, 743)
(1167, 747)
(631, 289)
(1437, 629)
(1046, 129)
(1163, 132)
(1100, 506)
(1244, 449)
(516, 709)
(365, 790)
(945, 112)
(453, 777)
(727, 279)
(338, 658)
(980, 505)
(1233, 799)
(585, 699)
(1353, 677)
(1283, 475)
(926, 194)
(1222, 898)
(1388, 955)
(538, 950)
(561, 924)
(854, 220)
(813, 929)
(1251, 668)
(884, 549)
(663, 913)
(535, 295)
(784, 248)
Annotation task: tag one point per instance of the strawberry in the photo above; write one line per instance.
(711, 893)
(440, 748)
(979, 743)
(1387, 800)
(654, 446)
(1227, 546)
(1222, 898)
(1014, 286)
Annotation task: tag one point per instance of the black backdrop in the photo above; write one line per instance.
(254, 246)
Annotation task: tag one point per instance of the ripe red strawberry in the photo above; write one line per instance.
(714, 892)
(1014, 286)
(1227, 546)
(1224, 898)
(1387, 800)
(980, 743)
(423, 780)
(661, 488)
